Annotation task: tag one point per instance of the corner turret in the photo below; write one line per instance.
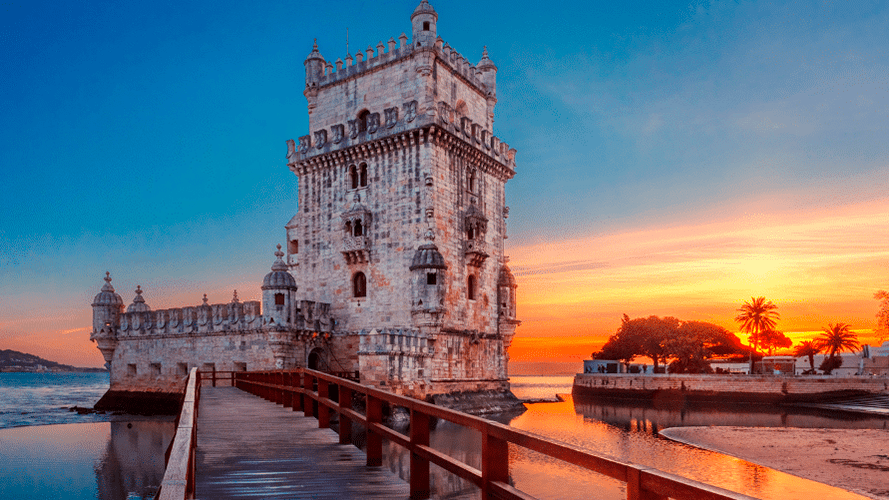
(107, 308)
(489, 77)
(423, 21)
(315, 65)
(138, 304)
(278, 294)
(428, 284)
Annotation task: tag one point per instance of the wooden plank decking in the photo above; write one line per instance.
(248, 447)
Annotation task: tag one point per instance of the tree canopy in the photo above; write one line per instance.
(835, 339)
(688, 344)
(756, 317)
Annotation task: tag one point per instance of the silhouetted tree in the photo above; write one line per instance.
(773, 339)
(807, 348)
(883, 314)
(835, 339)
(695, 342)
(757, 316)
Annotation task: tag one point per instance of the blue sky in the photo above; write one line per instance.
(147, 138)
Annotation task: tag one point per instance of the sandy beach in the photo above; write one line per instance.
(855, 460)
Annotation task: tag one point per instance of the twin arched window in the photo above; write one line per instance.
(358, 175)
(359, 285)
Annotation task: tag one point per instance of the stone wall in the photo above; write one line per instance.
(727, 388)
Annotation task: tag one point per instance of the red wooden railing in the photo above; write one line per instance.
(296, 389)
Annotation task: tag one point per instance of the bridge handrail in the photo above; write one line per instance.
(295, 388)
(178, 482)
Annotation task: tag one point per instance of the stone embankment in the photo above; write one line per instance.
(726, 388)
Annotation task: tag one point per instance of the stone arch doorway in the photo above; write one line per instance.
(317, 360)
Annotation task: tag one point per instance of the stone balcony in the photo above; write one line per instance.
(356, 249)
(475, 252)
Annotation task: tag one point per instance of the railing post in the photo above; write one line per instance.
(419, 466)
(308, 402)
(279, 392)
(288, 396)
(323, 410)
(298, 397)
(634, 485)
(374, 440)
(345, 422)
(213, 372)
(495, 462)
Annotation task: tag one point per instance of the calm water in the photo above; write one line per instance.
(121, 457)
(629, 432)
(107, 457)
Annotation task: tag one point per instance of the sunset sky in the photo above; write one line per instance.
(674, 158)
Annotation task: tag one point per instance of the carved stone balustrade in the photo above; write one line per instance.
(356, 249)
(475, 251)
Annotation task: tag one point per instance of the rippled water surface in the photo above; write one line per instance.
(44, 398)
(629, 432)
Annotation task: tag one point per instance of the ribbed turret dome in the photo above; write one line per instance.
(107, 297)
(506, 278)
(138, 304)
(486, 63)
(424, 8)
(314, 54)
(279, 278)
(428, 257)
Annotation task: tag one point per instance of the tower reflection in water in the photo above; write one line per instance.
(132, 466)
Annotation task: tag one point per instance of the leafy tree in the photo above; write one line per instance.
(651, 334)
(883, 314)
(695, 342)
(757, 316)
(807, 348)
(773, 339)
(835, 339)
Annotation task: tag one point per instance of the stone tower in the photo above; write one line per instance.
(401, 215)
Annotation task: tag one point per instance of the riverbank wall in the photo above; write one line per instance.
(726, 388)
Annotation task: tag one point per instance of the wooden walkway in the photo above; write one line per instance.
(248, 447)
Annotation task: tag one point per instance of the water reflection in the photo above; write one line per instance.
(120, 460)
(629, 431)
(132, 466)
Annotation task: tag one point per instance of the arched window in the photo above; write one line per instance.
(471, 181)
(363, 175)
(294, 246)
(349, 227)
(359, 285)
(353, 174)
(359, 229)
(470, 287)
(470, 232)
(362, 121)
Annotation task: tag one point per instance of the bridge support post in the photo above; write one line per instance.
(297, 396)
(495, 463)
(634, 485)
(419, 466)
(345, 422)
(374, 440)
(323, 410)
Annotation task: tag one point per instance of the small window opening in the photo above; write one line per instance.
(426, 26)
(471, 183)
(293, 247)
(359, 230)
(131, 370)
(348, 227)
(470, 233)
(470, 287)
(431, 279)
(362, 121)
(363, 175)
(155, 369)
(359, 285)
(279, 299)
(240, 367)
(353, 174)
(208, 367)
(182, 368)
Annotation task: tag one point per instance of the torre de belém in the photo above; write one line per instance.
(394, 263)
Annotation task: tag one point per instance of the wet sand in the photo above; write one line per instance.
(855, 460)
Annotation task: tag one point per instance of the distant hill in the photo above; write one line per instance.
(14, 361)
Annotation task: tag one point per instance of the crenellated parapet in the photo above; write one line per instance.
(395, 342)
(205, 319)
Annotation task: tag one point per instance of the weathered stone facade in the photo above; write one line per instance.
(395, 263)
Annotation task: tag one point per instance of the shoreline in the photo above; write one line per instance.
(854, 460)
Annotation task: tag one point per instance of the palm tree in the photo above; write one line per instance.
(807, 348)
(755, 317)
(835, 339)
